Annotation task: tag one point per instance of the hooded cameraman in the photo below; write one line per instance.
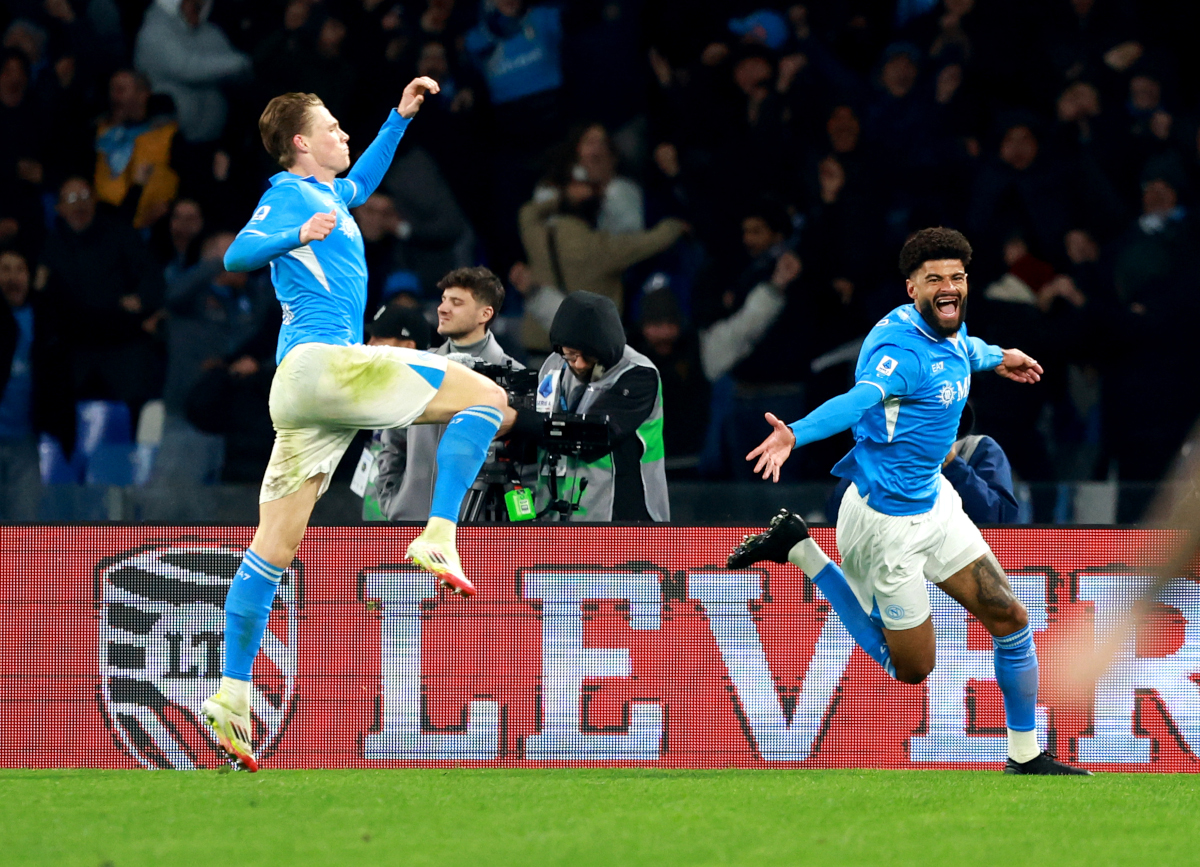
(593, 372)
(407, 465)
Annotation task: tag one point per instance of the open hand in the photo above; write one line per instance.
(1019, 367)
(414, 95)
(318, 227)
(774, 450)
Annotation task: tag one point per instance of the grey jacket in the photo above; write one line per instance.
(189, 65)
(407, 462)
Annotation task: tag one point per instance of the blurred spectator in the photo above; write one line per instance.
(190, 60)
(21, 170)
(592, 159)
(33, 396)
(1157, 283)
(517, 48)
(211, 312)
(382, 231)
(19, 474)
(230, 400)
(180, 248)
(1033, 305)
(434, 235)
(1086, 132)
(1090, 38)
(1028, 192)
(752, 329)
(674, 347)
(133, 151)
(566, 250)
(108, 297)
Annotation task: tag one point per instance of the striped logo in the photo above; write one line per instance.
(161, 645)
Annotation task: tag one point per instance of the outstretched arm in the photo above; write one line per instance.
(1010, 363)
(833, 416)
(364, 178)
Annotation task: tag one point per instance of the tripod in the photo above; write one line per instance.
(564, 508)
(485, 498)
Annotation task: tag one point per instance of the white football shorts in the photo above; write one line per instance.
(888, 558)
(323, 394)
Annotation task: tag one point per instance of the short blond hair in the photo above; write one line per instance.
(284, 118)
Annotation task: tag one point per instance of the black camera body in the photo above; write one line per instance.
(563, 434)
(583, 436)
(521, 385)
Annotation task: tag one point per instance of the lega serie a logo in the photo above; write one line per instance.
(161, 610)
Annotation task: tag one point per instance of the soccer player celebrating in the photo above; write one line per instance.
(901, 522)
(327, 384)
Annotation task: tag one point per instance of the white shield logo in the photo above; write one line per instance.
(161, 637)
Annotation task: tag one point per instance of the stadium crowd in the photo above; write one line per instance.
(737, 175)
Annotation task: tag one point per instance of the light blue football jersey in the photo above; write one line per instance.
(925, 378)
(321, 286)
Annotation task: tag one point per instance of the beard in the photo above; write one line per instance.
(925, 308)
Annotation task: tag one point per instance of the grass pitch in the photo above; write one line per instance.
(601, 817)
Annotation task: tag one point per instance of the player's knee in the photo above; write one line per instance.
(1006, 621)
(491, 394)
(1018, 616)
(914, 672)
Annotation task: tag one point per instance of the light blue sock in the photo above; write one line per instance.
(866, 630)
(1017, 675)
(460, 454)
(247, 609)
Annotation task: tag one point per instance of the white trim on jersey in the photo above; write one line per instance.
(309, 260)
(891, 414)
(876, 384)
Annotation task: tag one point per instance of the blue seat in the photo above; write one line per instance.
(111, 464)
(103, 443)
(101, 421)
(54, 466)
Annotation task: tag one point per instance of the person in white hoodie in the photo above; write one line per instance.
(190, 60)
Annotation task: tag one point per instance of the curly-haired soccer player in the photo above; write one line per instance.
(901, 523)
(328, 385)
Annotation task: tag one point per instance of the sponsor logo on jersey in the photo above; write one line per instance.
(884, 321)
(938, 367)
(288, 315)
(887, 366)
(954, 391)
(261, 214)
(161, 612)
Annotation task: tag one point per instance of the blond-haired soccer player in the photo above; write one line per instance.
(327, 384)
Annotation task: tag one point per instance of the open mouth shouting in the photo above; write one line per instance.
(944, 311)
(946, 306)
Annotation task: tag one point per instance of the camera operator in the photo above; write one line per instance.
(593, 373)
(406, 465)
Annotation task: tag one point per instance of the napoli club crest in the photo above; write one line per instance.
(161, 612)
